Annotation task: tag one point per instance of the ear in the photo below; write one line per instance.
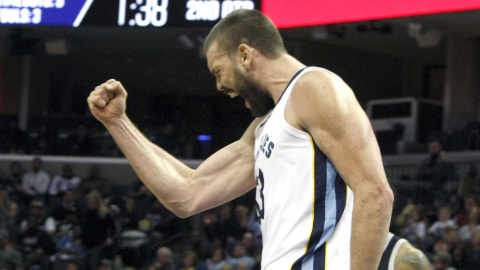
(245, 55)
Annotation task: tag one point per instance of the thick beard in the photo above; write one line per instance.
(259, 98)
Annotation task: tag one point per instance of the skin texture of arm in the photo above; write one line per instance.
(222, 177)
(323, 105)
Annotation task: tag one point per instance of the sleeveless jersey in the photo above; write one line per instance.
(390, 252)
(304, 206)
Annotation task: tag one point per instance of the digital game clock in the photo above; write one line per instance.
(122, 13)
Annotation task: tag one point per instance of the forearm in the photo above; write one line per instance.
(224, 176)
(163, 174)
(370, 226)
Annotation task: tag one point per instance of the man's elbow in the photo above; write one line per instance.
(182, 209)
(181, 212)
(385, 199)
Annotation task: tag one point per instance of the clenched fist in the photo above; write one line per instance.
(108, 101)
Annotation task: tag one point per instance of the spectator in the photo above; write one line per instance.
(115, 213)
(189, 260)
(242, 218)
(160, 219)
(435, 167)
(142, 195)
(36, 182)
(61, 183)
(460, 258)
(469, 184)
(70, 244)
(13, 182)
(438, 228)
(67, 212)
(39, 215)
(39, 260)
(442, 261)
(438, 246)
(253, 247)
(163, 260)
(225, 227)
(240, 255)
(32, 239)
(43, 141)
(94, 182)
(128, 217)
(14, 139)
(411, 224)
(98, 229)
(105, 264)
(80, 143)
(465, 232)
(215, 261)
(475, 242)
(253, 224)
(8, 208)
(73, 265)
(10, 258)
(199, 243)
(451, 238)
(437, 171)
(468, 204)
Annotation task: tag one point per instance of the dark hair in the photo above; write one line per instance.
(250, 27)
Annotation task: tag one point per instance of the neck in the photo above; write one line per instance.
(276, 74)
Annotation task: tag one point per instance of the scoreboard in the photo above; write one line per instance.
(121, 13)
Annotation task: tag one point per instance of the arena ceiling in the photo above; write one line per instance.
(172, 58)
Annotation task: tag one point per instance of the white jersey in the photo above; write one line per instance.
(390, 252)
(304, 206)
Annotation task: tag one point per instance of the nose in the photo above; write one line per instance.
(219, 86)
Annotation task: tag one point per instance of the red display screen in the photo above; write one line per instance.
(287, 13)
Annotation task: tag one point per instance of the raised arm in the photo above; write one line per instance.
(224, 176)
(326, 107)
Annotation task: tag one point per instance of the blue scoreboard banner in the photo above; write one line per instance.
(122, 13)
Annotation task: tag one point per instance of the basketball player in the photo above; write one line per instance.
(399, 254)
(322, 195)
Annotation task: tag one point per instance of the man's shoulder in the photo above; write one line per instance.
(409, 257)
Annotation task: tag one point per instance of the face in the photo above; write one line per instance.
(232, 82)
(164, 257)
(239, 251)
(15, 169)
(217, 255)
(434, 147)
(92, 203)
(257, 99)
(444, 214)
(36, 164)
(67, 172)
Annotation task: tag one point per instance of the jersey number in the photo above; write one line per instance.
(260, 199)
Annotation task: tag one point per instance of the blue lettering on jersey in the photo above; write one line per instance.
(266, 146)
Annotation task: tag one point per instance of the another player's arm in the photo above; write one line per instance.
(224, 176)
(326, 107)
(411, 258)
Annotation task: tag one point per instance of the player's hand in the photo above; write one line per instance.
(108, 101)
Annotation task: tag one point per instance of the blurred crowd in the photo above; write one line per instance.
(50, 221)
(438, 211)
(90, 139)
(67, 222)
